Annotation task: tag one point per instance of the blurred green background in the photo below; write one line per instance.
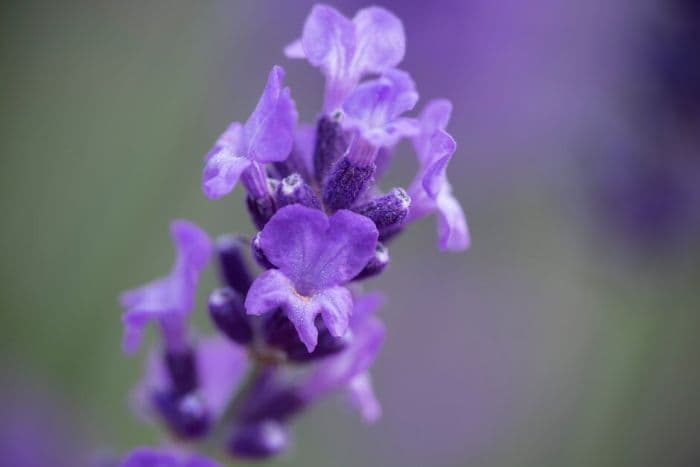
(549, 343)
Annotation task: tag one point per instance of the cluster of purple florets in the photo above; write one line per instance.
(302, 328)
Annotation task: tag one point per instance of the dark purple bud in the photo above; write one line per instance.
(280, 333)
(346, 183)
(182, 368)
(293, 190)
(228, 313)
(261, 209)
(233, 267)
(259, 254)
(376, 264)
(258, 441)
(331, 144)
(388, 211)
(270, 399)
(186, 415)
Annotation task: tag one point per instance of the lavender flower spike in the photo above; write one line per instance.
(346, 50)
(315, 255)
(266, 137)
(149, 457)
(431, 191)
(169, 299)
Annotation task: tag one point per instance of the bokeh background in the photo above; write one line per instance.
(567, 335)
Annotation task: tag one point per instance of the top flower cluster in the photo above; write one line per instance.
(302, 328)
(338, 164)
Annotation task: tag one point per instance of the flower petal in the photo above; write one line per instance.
(453, 233)
(381, 42)
(317, 252)
(421, 202)
(222, 171)
(367, 103)
(303, 317)
(294, 50)
(328, 39)
(151, 301)
(232, 138)
(375, 107)
(396, 130)
(300, 160)
(292, 239)
(222, 364)
(362, 396)
(335, 372)
(270, 290)
(442, 147)
(347, 246)
(435, 116)
(335, 305)
(403, 92)
(329, 43)
(303, 149)
(366, 305)
(269, 132)
(171, 297)
(194, 248)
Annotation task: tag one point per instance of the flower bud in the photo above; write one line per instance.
(376, 264)
(331, 144)
(260, 209)
(186, 415)
(182, 368)
(293, 190)
(258, 441)
(270, 398)
(228, 313)
(388, 211)
(259, 254)
(345, 184)
(233, 268)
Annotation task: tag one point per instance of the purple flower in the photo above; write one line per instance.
(315, 255)
(347, 50)
(169, 299)
(349, 369)
(321, 223)
(431, 191)
(221, 366)
(150, 457)
(300, 160)
(373, 117)
(374, 109)
(267, 136)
